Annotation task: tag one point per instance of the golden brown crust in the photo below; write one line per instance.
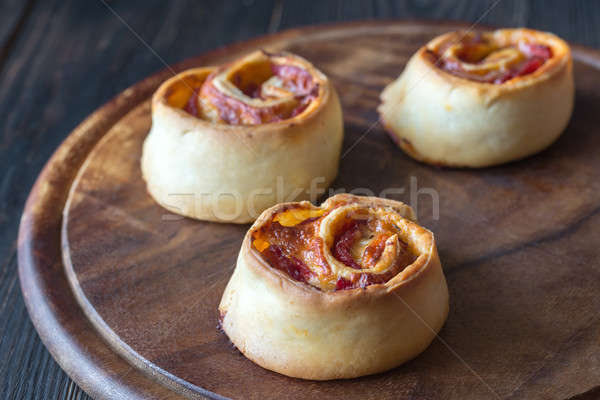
(230, 173)
(298, 330)
(443, 119)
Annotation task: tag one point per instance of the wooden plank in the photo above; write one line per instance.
(14, 15)
(574, 20)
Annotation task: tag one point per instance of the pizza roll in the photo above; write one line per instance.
(228, 142)
(479, 99)
(350, 288)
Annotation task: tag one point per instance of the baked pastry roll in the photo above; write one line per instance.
(226, 143)
(481, 99)
(350, 288)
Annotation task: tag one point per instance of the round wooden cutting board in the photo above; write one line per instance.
(124, 294)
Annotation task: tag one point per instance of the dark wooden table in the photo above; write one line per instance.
(60, 60)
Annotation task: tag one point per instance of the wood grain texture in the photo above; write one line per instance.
(523, 320)
(63, 59)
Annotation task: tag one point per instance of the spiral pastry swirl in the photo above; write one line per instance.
(350, 288)
(491, 57)
(227, 142)
(343, 246)
(258, 89)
